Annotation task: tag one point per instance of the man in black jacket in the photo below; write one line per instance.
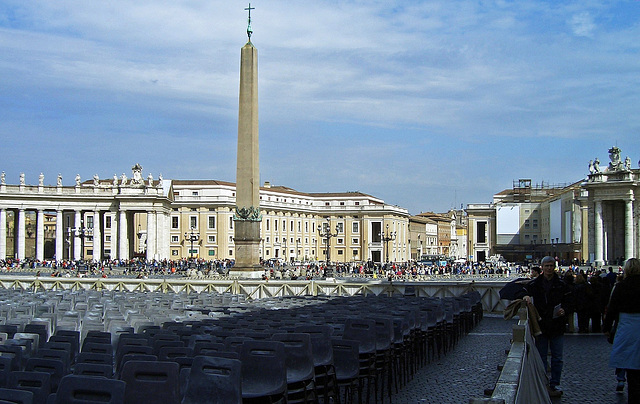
(552, 298)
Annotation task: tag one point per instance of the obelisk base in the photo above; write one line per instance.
(247, 241)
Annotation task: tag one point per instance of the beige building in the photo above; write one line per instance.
(171, 219)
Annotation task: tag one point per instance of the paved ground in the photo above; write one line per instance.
(472, 367)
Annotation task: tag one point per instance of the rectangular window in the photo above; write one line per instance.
(230, 253)
(354, 241)
(175, 223)
(194, 193)
(212, 253)
(340, 252)
(299, 226)
(89, 252)
(211, 239)
(355, 227)
(275, 224)
(267, 224)
(231, 223)
(535, 223)
(90, 222)
(481, 234)
(526, 224)
(175, 239)
(355, 253)
(107, 238)
(212, 222)
(291, 226)
(306, 227)
(340, 227)
(174, 253)
(340, 241)
(107, 222)
(193, 222)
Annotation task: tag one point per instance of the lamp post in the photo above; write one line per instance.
(386, 237)
(192, 235)
(82, 233)
(326, 234)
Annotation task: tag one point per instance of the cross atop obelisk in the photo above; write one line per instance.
(247, 215)
(249, 30)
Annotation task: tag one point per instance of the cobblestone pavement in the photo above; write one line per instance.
(466, 371)
(472, 367)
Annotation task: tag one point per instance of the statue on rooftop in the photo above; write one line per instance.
(627, 164)
(96, 180)
(21, 178)
(160, 179)
(41, 180)
(591, 168)
(137, 175)
(150, 179)
(596, 166)
(3, 178)
(614, 156)
(77, 180)
(59, 180)
(123, 179)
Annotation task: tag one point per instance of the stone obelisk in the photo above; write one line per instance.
(247, 216)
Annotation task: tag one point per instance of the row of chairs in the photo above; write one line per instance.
(407, 332)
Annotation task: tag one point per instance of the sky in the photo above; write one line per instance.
(429, 105)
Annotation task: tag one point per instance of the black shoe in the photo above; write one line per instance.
(620, 387)
(554, 391)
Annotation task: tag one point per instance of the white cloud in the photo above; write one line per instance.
(582, 24)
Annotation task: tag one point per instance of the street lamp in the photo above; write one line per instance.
(81, 233)
(325, 233)
(386, 237)
(192, 235)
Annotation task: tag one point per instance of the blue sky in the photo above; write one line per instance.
(426, 104)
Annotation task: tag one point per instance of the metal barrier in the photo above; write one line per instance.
(258, 289)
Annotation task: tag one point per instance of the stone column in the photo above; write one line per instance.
(59, 236)
(97, 236)
(3, 234)
(21, 234)
(151, 235)
(77, 241)
(40, 235)
(123, 247)
(163, 237)
(628, 230)
(114, 235)
(597, 234)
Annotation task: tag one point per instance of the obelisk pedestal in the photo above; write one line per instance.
(247, 216)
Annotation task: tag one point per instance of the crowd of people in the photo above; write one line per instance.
(602, 301)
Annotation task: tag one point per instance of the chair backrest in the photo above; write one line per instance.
(16, 396)
(214, 380)
(76, 389)
(362, 330)
(384, 332)
(39, 383)
(93, 370)
(346, 358)
(97, 347)
(151, 382)
(55, 367)
(256, 357)
(14, 352)
(92, 357)
(298, 356)
(171, 352)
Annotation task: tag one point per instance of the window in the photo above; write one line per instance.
(193, 222)
(175, 222)
(481, 236)
(89, 252)
(535, 223)
(107, 238)
(175, 239)
(212, 253)
(90, 223)
(212, 222)
(340, 241)
(107, 222)
(355, 227)
(526, 224)
(306, 227)
(267, 224)
(275, 224)
(267, 240)
(230, 252)
(357, 203)
(341, 203)
(174, 252)
(231, 223)
(299, 226)
(354, 241)
(211, 239)
(340, 252)
(291, 226)
(355, 253)
(340, 227)
(194, 193)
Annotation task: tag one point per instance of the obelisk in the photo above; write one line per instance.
(247, 215)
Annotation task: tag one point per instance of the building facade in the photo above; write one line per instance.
(171, 219)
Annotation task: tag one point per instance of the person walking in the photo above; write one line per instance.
(552, 298)
(624, 308)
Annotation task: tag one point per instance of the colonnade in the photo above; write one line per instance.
(604, 230)
(109, 230)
